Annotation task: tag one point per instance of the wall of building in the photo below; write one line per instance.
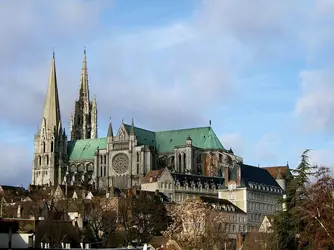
(19, 240)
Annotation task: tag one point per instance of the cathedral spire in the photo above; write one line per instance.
(84, 89)
(132, 130)
(110, 132)
(51, 115)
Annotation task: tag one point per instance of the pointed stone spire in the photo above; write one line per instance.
(132, 130)
(84, 88)
(110, 132)
(51, 115)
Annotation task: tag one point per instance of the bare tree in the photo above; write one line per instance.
(101, 217)
(261, 241)
(197, 225)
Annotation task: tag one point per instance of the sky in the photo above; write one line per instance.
(263, 73)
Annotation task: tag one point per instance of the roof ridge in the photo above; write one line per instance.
(139, 128)
(90, 139)
(172, 130)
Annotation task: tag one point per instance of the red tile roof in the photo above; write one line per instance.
(275, 171)
(153, 176)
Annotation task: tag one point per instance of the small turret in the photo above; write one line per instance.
(110, 132)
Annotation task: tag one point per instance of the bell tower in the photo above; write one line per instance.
(83, 123)
(50, 142)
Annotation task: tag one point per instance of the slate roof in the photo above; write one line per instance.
(197, 179)
(251, 174)
(163, 141)
(215, 200)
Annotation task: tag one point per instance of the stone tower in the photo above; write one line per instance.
(83, 123)
(50, 143)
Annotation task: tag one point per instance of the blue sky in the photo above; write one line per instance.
(263, 73)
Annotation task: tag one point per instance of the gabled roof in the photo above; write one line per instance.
(278, 172)
(85, 149)
(256, 175)
(166, 141)
(202, 137)
(153, 176)
(144, 137)
(217, 201)
(163, 141)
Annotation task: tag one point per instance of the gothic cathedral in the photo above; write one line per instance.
(121, 159)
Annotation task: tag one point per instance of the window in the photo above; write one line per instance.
(137, 168)
(47, 160)
(51, 146)
(138, 157)
(105, 170)
(43, 146)
(101, 159)
(39, 160)
(105, 159)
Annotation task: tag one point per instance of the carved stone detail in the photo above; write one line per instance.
(120, 163)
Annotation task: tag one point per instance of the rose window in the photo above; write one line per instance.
(120, 163)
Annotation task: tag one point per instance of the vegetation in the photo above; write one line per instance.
(197, 226)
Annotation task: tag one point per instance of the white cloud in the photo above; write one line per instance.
(266, 149)
(16, 162)
(315, 106)
(233, 140)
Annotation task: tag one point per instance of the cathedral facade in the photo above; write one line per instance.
(121, 159)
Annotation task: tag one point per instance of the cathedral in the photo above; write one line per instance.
(121, 159)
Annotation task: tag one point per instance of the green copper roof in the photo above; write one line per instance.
(203, 137)
(163, 141)
(144, 137)
(85, 149)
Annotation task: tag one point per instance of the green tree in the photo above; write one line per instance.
(149, 216)
(288, 223)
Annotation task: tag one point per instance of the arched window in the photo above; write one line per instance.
(47, 160)
(43, 146)
(105, 170)
(138, 157)
(180, 160)
(51, 146)
(184, 161)
(39, 160)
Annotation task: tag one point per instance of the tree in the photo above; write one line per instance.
(101, 217)
(261, 241)
(287, 223)
(197, 225)
(142, 217)
(149, 216)
(317, 212)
